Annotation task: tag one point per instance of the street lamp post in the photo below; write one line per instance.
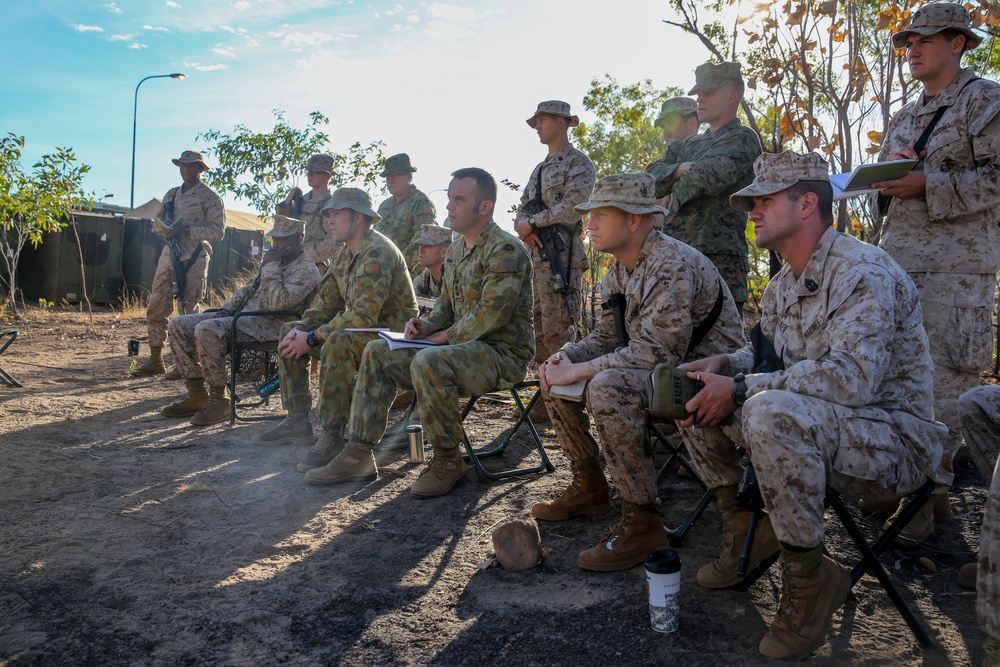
(135, 109)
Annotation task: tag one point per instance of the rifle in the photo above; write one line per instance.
(297, 200)
(616, 303)
(180, 271)
(553, 243)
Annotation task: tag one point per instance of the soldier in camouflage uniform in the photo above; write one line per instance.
(567, 177)
(679, 120)
(851, 409)
(433, 242)
(366, 286)
(200, 342)
(702, 171)
(318, 244)
(482, 330)
(405, 211)
(941, 223)
(199, 218)
(670, 289)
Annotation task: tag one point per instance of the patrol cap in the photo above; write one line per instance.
(774, 172)
(354, 199)
(681, 106)
(321, 162)
(713, 75)
(932, 18)
(191, 157)
(285, 226)
(554, 108)
(397, 165)
(434, 235)
(632, 193)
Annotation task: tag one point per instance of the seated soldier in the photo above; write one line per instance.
(433, 247)
(366, 286)
(483, 335)
(200, 342)
(850, 408)
(670, 289)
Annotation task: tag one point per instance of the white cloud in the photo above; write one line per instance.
(155, 28)
(113, 8)
(395, 10)
(172, 4)
(119, 38)
(413, 18)
(204, 68)
(87, 28)
(451, 12)
(233, 31)
(138, 45)
(301, 39)
(242, 5)
(441, 32)
(224, 52)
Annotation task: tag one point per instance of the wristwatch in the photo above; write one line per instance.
(311, 339)
(739, 390)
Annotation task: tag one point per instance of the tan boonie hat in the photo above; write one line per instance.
(397, 165)
(632, 193)
(285, 226)
(676, 106)
(321, 162)
(434, 235)
(554, 108)
(934, 17)
(354, 199)
(191, 157)
(713, 75)
(774, 172)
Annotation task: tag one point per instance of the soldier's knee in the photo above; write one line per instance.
(761, 410)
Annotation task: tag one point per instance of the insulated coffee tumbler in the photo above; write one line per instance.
(663, 580)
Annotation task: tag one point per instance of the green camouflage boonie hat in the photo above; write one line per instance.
(713, 75)
(933, 18)
(321, 162)
(285, 226)
(397, 165)
(354, 199)
(632, 193)
(676, 106)
(554, 108)
(191, 157)
(774, 172)
(434, 235)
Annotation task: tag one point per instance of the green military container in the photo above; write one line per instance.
(141, 252)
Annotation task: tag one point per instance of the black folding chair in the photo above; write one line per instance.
(252, 363)
(677, 458)
(10, 335)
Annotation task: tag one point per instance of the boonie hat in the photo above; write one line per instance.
(434, 235)
(774, 172)
(397, 165)
(191, 157)
(713, 75)
(554, 108)
(632, 193)
(934, 17)
(681, 106)
(321, 162)
(285, 226)
(354, 199)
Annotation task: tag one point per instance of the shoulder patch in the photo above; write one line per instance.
(373, 268)
(374, 252)
(508, 264)
(508, 247)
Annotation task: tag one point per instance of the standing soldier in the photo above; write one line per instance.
(318, 244)
(196, 217)
(405, 211)
(679, 120)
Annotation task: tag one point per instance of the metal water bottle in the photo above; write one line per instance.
(415, 438)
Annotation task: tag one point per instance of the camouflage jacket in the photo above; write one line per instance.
(953, 227)
(425, 285)
(317, 243)
(700, 214)
(277, 287)
(369, 289)
(671, 290)
(201, 208)
(401, 222)
(850, 331)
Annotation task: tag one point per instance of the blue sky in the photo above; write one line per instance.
(450, 83)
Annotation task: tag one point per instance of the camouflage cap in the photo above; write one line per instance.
(554, 108)
(191, 157)
(934, 17)
(676, 106)
(321, 162)
(774, 172)
(434, 235)
(285, 226)
(632, 193)
(397, 165)
(354, 199)
(713, 75)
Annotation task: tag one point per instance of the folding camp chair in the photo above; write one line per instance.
(251, 365)
(677, 457)
(5, 377)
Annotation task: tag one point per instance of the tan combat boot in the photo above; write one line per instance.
(639, 531)
(294, 429)
(812, 588)
(331, 442)
(197, 399)
(217, 409)
(154, 366)
(446, 470)
(967, 576)
(354, 463)
(586, 495)
(918, 529)
(735, 525)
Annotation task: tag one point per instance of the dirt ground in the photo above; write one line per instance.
(132, 539)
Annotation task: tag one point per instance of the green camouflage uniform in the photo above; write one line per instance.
(318, 243)
(401, 221)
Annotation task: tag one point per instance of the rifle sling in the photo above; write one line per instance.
(706, 325)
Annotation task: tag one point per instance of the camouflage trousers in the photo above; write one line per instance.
(200, 342)
(161, 294)
(440, 377)
(616, 400)
(799, 445)
(554, 326)
(734, 270)
(340, 356)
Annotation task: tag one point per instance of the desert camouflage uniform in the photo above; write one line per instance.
(401, 222)
(567, 181)
(366, 290)
(317, 243)
(485, 305)
(201, 208)
(200, 342)
(948, 240)
(700, 212)
(425, 285)
(671, 290)
(853, 408)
